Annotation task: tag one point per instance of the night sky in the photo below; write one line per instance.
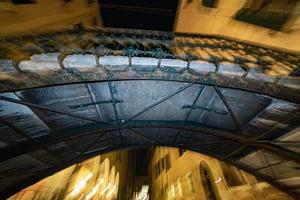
(139, 14)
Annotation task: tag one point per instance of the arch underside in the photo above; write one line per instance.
(50, 127)
(52, 119)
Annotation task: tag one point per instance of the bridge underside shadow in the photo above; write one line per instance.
(47, 129)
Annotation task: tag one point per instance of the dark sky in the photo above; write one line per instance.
(139, 14)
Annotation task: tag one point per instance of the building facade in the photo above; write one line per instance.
(179, 174)
(23, 16)
(272, 24)
(103, 177)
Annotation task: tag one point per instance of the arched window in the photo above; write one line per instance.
(208, 182)
(232, 175)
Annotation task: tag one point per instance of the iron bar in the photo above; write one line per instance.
(236, 151)
(235, 119)
(216, 111)
(157, 103)
(25, 147)
(92, 143)
(115, 109)
(249, 85)
(93, 99)
(14, 128)
(95, 103)
(189, 113)
(32, 105)
(269, 131)
(21, 133)
(257, 115)
(271, 165)
(148, 138)
(39, 114)
(206, 144)
(265, 158)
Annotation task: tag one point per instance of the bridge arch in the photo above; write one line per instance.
(79, 105)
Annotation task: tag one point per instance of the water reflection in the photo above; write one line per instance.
(160, 173)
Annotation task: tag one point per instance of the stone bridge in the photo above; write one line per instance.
(71, 94)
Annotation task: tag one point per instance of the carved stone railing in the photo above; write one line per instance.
(94, 54)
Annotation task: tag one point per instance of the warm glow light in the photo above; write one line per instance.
(219, 180)
(111, 191)
(143, 194)
(106, 188)
(173, 191)
(95, 189)
(80, 185)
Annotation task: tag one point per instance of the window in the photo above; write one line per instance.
(181, 151)
(209, 3)
(232, 175)
(208, 182)
(157, 169)
(157, 172)
(167, 162)
(23, 1)
(162, 164)
(271, 14)
(190, 184)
